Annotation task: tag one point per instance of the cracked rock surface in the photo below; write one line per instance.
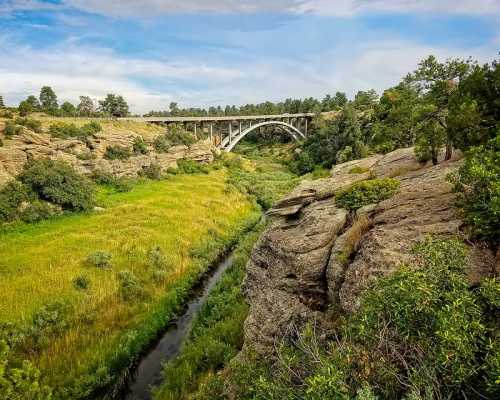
(314, 254)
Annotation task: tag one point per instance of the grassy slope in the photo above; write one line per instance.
(39, 262)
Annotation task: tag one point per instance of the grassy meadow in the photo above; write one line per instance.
(165, 234)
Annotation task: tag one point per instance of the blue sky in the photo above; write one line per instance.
(211, 52)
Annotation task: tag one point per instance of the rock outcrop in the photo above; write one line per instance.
(87, 157)
(315, 255)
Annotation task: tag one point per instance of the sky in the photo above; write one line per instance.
(216, 52)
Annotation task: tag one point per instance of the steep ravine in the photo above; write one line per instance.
(316, 256)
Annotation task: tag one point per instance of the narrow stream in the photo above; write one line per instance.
(148, 372)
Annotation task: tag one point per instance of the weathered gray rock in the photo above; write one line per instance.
(314, 254)
(285, 275)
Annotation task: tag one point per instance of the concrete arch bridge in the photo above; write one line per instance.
(225, 132)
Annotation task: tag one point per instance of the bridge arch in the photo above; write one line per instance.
(229, 143)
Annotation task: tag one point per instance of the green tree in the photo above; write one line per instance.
(395, 118)
(365, 100)
(114, 105)
(68, 109)
(2, 105)
(25, 108)
(439, 82)
(86, 107)
(474, 115)
(48, 99)
(35, 104)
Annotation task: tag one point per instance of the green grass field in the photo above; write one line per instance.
(95, 333)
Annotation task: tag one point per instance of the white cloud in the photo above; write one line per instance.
(344, 8)
(74, 71)
(353, 7)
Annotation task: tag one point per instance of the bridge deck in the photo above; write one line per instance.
(217, 119)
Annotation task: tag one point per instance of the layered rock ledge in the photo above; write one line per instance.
(315, 255)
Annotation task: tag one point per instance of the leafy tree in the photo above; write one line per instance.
(25, 108)
(438, 82)
(478, 183)
(35, 104)
(86, 106)
(68, 109)
(114, 105)
(48, 99)
(365, 100)
(2, 105)
(474, 115)
(395, 118)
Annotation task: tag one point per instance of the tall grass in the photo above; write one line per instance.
(217, 333)
(192, 219)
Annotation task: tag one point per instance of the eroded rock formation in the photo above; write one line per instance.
(88, 157)
(315, 255)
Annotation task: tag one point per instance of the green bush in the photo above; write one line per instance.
(156, 258)
(117, 153)
(64, 130)
(140, 146)
(129, 287)
(162, 144)
(152, 171)
(478, 185)
(191, 167)
(107, 178)
(38, 211)
(90, 129)
(12, 196)
(33, 124)
(49, 321)
(366, 192)
(22, 382)
(99, 259)
(12, 129)
(358, 170)
(178, 136)
(81, 282)
(421, 333)
(58, 183)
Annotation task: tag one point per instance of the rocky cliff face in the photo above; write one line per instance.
(315, 255)
(88, 157)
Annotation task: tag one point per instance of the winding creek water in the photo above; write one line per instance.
(147, 374)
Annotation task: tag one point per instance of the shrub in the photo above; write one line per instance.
(478, 183)
(12, 129)
(38, 211)
(366, 192)
(1, 142)
(107, 178)
(48, 321)
(12, 196)
(99, 259)
(20, 383)
(90, 129)
(129, 286)
(140, 146)
(81, 282)
(152, 171)
(117, 153)
(64, 130)
(162, 144)
(191, 167)
(33, 124)
(420, 333)
(178, 136)
(58, 183)
(156, 258)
